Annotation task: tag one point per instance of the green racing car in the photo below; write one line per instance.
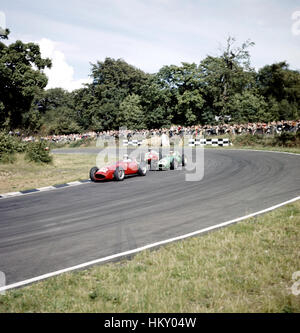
(171, 161)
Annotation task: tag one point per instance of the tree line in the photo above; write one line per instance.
(220, 88)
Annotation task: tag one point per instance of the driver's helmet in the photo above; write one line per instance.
(126, 158)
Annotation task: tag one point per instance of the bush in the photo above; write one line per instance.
(37, 152)
(8, 147)
(85, 142)
(248, 140)
(56, 145)
(286, 139)
(76, 143)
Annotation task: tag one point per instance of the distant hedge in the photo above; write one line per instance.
(285, 139)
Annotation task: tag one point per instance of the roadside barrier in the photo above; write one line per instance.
(132, 142)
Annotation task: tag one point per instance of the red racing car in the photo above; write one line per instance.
(151, 158)
(119, 170)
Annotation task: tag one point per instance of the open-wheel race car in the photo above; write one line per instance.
(151, 158)
(119, 170)
(172, 161)
(156, 161)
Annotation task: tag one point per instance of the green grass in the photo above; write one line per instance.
(246, 267)
(23, 175)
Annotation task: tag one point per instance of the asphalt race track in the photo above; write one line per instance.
(49, 231)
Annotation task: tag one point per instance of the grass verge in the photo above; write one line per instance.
(23, 175)
(246, 267)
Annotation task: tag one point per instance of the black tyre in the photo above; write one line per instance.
(92, 173)
(119, 174)
(184, 160)
(174, 164)
(142, 169)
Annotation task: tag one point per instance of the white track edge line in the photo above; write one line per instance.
(149, 246)
(42, 189)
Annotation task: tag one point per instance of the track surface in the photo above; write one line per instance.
(49, 231)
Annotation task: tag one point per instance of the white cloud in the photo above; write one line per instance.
(2, 21)
(296, 25)
(61, 75)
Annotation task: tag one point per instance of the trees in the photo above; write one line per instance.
(248, 107)
(154, 102)
(224, 77)
(181, 86)
(123, 95)
(131, 114)
(21, 78)
(281, 88)
(56, 107)
(114, 82)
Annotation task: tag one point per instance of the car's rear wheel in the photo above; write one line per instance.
(142, 169)
(184, 160)
(92, 173)
(119, 174)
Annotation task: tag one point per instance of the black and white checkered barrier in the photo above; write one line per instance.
(212, 142)
(132, 142)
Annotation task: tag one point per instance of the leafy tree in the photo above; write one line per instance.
(86, 107)
(225, 76)
(248, 107)
(21, 78)
(183, 91)
(51, 99)
(281, 88)
(131, 113)
(113, 81)
(117, 74)
(58, 112)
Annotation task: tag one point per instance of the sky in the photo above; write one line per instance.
(150, 33)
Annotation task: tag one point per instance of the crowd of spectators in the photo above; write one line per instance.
(193, 131)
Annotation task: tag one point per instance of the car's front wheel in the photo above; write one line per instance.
(119, 174)
(174, 164)
(92, 173)
(142, 169)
